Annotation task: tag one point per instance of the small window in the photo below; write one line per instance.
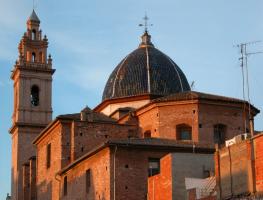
(183, 132)
(65, 186)
(33, 57)
(154, 166)
(219, 134)
(147, 134)
(35, 95)
(88, 180)
(34, 34)
(48, 155)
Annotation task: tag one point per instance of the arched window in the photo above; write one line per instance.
(33, 58)
(183, 132)
(35, 95)
(219, 134)
(147, 134)
(34, 34)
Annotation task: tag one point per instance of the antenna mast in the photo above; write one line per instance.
(244, 68)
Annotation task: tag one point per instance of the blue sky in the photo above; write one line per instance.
(89, 38)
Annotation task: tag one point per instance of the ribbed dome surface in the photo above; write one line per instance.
(145, 71)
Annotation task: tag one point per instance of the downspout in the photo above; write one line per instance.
(59, 182)
(114, 173)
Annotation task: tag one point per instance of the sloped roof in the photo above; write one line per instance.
(192, 95)
(168, 145)
(97, 117)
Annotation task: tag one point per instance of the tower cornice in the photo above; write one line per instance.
(32, 68)
(25, 125)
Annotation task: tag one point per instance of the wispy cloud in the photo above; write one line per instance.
(84, 63)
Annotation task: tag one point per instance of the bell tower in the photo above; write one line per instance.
(32, 78)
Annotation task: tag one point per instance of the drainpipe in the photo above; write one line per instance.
(114, 173)
(59, 182)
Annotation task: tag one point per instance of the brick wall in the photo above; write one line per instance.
(26, 182)
(162, 118)
(87, 135)
(239, 169)
(69, 140)
(160, 185)
(32, 178)
(132, 172)
(22, 151)
(47, 185)
(149, 121)
(211, 114)
(172, 115)
(258, 148)
(131, 175)
(99, 166)
(234, 170)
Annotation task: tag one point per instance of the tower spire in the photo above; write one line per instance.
(33, 17)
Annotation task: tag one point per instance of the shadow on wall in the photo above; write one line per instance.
(83, 187)
(44, 191)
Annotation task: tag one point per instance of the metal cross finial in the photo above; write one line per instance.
(146, 25)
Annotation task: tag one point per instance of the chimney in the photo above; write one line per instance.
(87, 115)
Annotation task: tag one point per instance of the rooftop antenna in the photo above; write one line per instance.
(146, 24)
(244, 68)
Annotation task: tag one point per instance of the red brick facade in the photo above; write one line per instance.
(106, 156)
(162, 119)
(239, 169)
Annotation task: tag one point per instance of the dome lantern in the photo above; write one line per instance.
(146, 40)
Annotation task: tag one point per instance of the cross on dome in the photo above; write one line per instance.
(146, 24)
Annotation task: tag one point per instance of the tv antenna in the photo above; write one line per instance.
(245, 76)
(146, 24)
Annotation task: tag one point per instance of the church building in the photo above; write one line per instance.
(148, 134)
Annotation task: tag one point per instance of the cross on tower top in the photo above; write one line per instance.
(146, 24)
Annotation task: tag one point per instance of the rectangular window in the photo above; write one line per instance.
(154, 166)
(219, 134)
(88, 176)
(183, 132)
(65, 186)
(48, 155)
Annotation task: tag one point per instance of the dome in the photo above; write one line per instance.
(145, 71)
